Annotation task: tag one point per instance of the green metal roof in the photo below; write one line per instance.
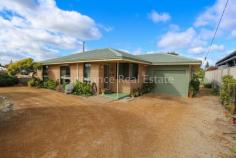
(108, 54)
(168, 59)
(105, 54)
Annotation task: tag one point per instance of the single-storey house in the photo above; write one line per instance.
(117, 71)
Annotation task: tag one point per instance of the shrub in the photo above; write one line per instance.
(135, 93)
(147, 87)
(82, 88)
(233, 149)
(200, 73)
(230, 108)
(6, 80)
(215, 91)
(78, 88)
(194, 85)
(30, 83)
(35, 82)
(50, 84)
(207, 85)
(226, 91)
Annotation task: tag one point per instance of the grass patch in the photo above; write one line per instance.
(234, 136)
(233, 149)
(215, 91)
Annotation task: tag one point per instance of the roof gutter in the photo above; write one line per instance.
(129, 60)
(189, 63)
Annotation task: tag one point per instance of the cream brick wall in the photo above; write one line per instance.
(74, 72)
(54, 72)
(97, 74)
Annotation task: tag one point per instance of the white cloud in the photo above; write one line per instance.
(159, 17)
(175, 39)
(105, 28)
(174, 27)
(39, 29)
(200, 50)
(138, 51)
(211, 16)
(189, 40)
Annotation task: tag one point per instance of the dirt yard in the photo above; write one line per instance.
(48, 124)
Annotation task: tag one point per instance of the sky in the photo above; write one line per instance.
(43, 29)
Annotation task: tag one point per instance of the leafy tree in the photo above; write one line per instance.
(227, 89)
(200, 73)
(207, 65)
(26, 64)
(194, 85)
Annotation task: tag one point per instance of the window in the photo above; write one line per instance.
(87, 69)
(123, 70)
(65, 74)
(45, 72)
(127, 71)
(133, 71)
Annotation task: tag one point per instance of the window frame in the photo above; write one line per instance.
(87, 78)
(130, 74)
(45, 72)
(67, 77)
(134, 71)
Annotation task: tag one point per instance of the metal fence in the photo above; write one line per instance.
(215, 76)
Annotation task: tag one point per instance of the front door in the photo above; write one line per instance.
(106, 76)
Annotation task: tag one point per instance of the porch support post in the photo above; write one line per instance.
(117, 80)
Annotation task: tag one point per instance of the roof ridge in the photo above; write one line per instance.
(150, 54)
(167, 54)
(181, 56)
(115, 51)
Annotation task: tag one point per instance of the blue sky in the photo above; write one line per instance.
(44, 29)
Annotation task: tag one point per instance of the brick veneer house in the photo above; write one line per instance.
(118, 71)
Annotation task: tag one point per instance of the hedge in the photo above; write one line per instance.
(7, 80)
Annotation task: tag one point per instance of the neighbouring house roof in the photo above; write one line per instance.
(168, 59)
(227, 58)
(109, 54)
(211, 68)
(106, 54)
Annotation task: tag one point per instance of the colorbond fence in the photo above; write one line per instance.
(215, 76)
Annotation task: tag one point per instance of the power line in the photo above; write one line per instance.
(217, 28)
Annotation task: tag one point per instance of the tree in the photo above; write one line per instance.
(200, 74)
(26, 65)
(207, 65)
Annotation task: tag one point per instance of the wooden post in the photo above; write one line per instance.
(117, 81)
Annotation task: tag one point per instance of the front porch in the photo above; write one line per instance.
(117, 78)
(115, 96)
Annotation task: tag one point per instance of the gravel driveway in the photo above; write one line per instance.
(48, 124)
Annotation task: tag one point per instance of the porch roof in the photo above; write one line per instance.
(106, 54)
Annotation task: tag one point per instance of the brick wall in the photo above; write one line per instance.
(97, 74)
(54, 72)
